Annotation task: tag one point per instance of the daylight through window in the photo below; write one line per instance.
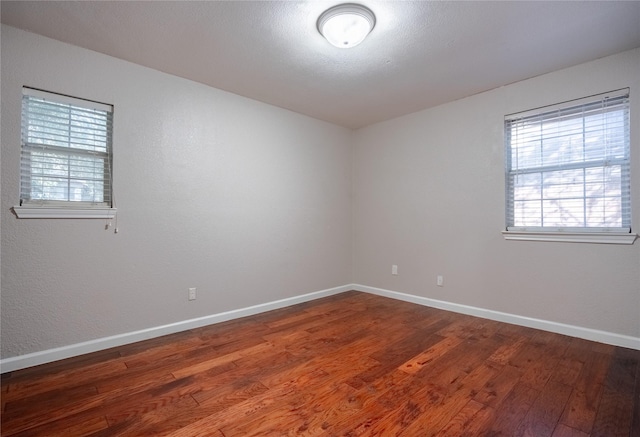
(66, 151)
(567, 166)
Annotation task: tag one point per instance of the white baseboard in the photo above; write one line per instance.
(545, 325)
(60, 353)
(50, 355)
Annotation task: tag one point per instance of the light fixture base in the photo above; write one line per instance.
(346, 25)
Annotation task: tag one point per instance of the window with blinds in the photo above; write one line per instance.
(66, 151)
(568, 165)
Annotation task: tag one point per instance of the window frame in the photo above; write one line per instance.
(608, 235)
(48, 208)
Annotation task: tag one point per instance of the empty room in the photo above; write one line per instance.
(314, 218)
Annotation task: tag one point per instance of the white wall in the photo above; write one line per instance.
(247, 202)
(429, 197)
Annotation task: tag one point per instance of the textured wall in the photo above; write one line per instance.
(429, 197)
(247, 202)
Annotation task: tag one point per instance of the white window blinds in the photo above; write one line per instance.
(567, 166)
(66, 151)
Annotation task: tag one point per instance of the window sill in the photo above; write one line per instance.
(30, 212)
(572, 237)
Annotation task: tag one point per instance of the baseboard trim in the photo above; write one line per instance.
(545, 325)
(60, 353)
(50, 355)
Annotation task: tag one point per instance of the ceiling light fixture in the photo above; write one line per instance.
(346, 25)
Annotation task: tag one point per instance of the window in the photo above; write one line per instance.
(66, 159)
(567, 168)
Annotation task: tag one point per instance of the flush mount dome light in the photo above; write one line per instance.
(346, 25)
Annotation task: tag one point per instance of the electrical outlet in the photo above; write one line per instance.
(192, 294)
(440, 281)
(394, 269)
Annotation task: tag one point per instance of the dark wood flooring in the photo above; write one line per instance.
(349, 365)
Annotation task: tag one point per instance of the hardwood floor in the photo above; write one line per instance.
(349, 365)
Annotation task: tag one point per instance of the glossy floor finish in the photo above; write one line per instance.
(353, 364)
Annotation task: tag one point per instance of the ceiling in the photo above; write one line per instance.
(420, 53)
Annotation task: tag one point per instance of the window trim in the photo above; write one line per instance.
(616, 235)
(36, 212)
(572, 237)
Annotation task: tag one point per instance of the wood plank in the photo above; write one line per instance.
(635, 425)
(545, 412)
(62, 378)
(222, 360)
(567, 371)
(444, 403)
(498, 387)
(359, 424)
(261, 405)
(565, 431)
(582, 406)
(88, 426)
(513, 411)
(615, 412)
(470, 421)
(508, 348)
(434, 352)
